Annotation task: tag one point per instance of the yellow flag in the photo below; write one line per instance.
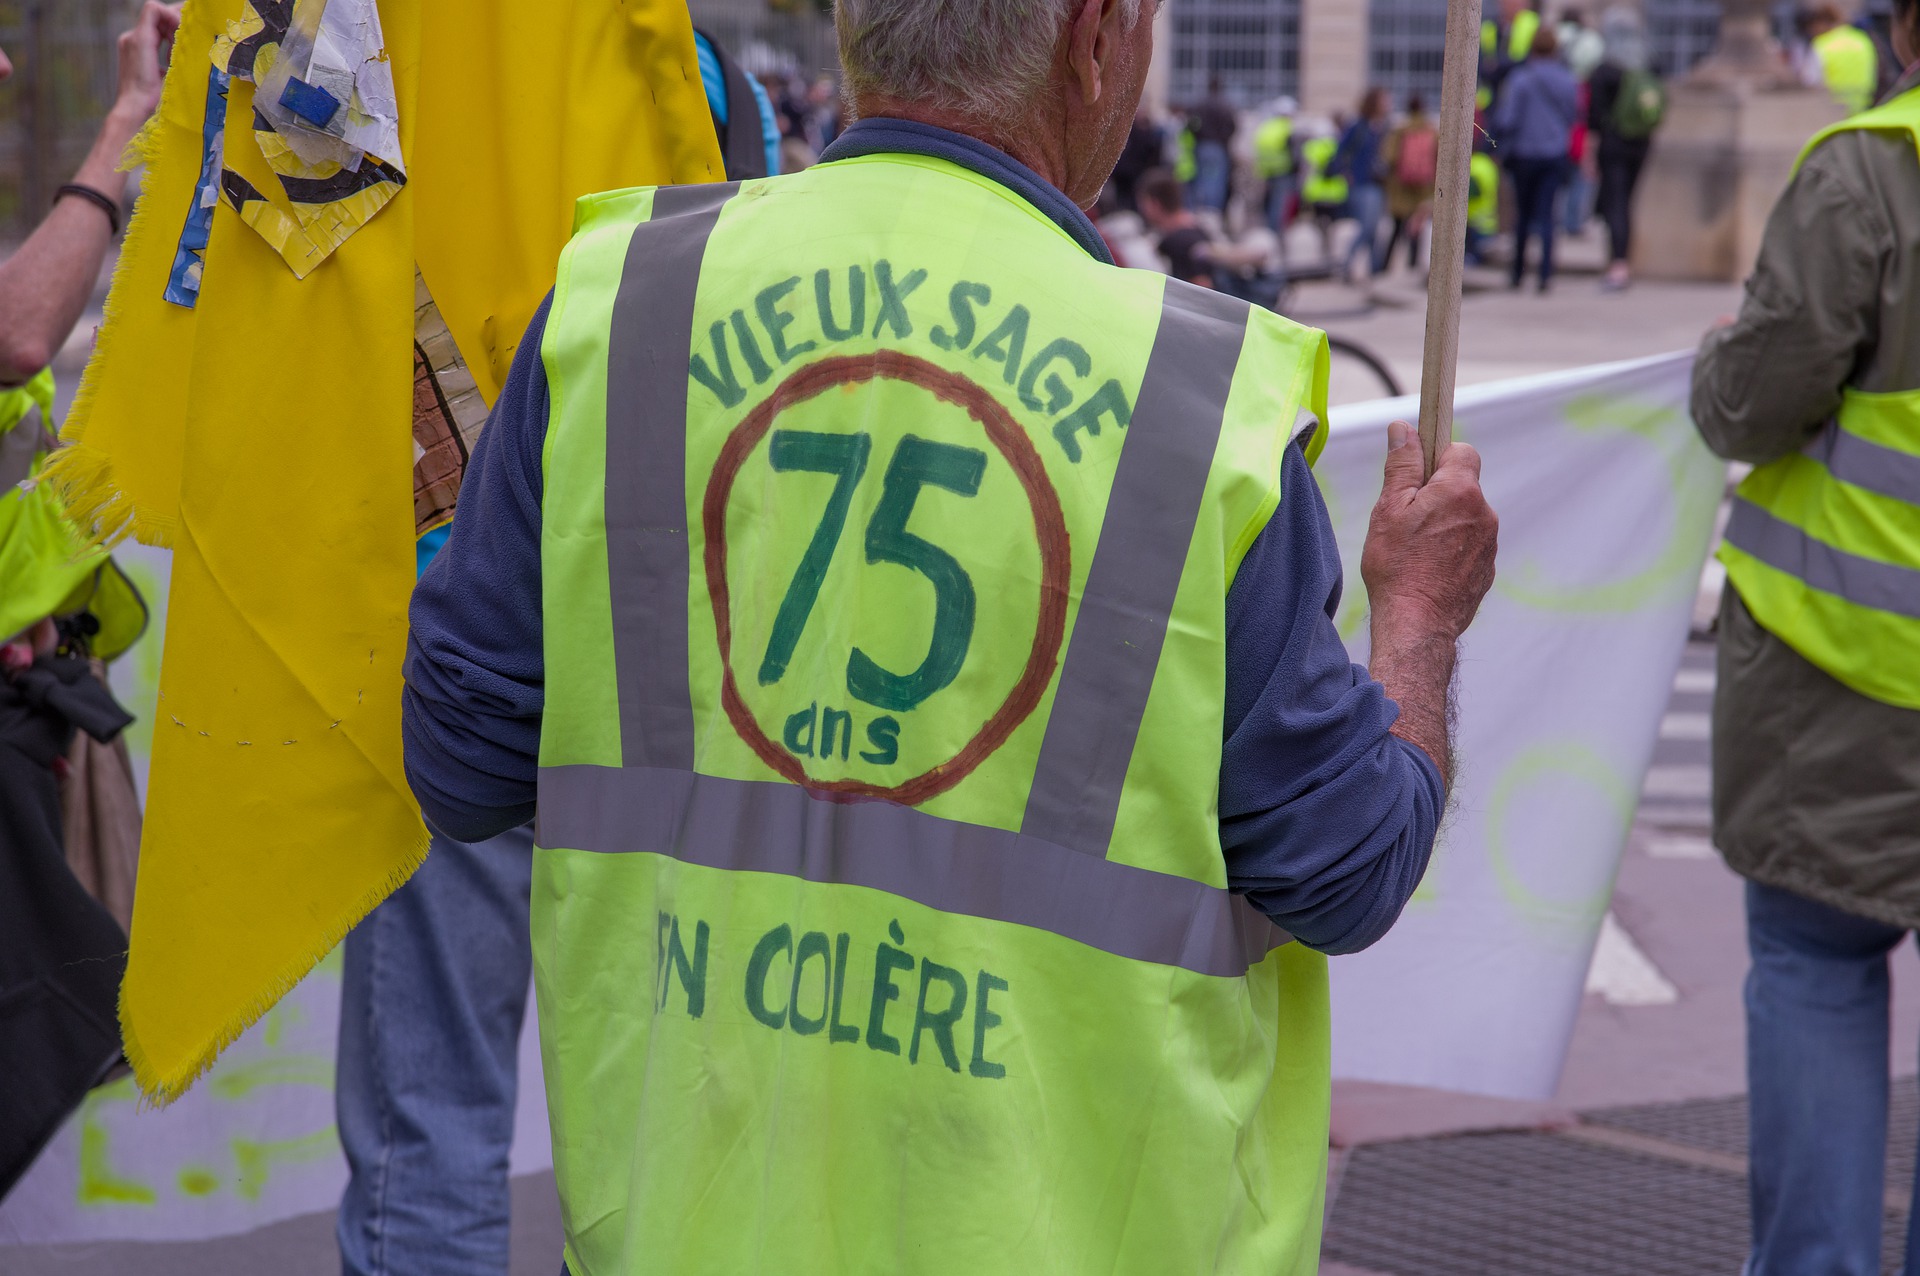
(266, 434)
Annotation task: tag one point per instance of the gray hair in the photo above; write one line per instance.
(985, 58)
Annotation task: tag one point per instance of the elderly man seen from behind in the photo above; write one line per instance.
(914, 634)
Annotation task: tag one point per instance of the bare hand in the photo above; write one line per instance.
(140, 71)
(1430, 550)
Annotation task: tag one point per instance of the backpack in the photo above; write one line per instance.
(1641, 106)
(1418, 162)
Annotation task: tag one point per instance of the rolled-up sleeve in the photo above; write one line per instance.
(1327, 819)
(476, 669)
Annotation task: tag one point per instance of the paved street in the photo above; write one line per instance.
(1661, 1023)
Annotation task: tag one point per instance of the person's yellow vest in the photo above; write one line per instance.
(1318, 188)
(1483, 199)
(1520, 34)
(1850, 62)
(44, 562)
(47, 567)
(1186, 159)
(1273, 148)
(879, 911)
(1824, 545)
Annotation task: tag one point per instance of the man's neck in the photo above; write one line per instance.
(1039, 148)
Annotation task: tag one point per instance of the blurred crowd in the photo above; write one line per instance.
(1253, 201)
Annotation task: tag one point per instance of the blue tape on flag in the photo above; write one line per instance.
(183, 281)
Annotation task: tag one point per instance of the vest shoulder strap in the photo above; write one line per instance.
(1900, 115)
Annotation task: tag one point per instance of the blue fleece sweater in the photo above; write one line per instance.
(1327, 820)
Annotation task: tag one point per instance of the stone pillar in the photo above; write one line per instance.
(1333, 54)
(1733, 130)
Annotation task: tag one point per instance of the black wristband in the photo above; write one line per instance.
(97, 199)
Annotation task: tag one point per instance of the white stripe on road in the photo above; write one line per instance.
(1686, 726)
(1679, 782)
(1623, 975)
(1694, 681)
(1680, 846)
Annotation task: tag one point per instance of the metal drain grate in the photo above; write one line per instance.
(1531, 1204)
(1720, 1125)
(1528, 1204)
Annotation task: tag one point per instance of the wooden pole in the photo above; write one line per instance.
(1460, 82)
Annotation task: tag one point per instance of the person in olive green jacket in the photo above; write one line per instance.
(1816, 781)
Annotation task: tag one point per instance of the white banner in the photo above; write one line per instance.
(1606, 500)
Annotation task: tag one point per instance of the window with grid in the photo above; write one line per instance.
(1681, 32)
(1407, 46)
(1252, 45)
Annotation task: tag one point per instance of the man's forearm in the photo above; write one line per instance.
(1415, 662)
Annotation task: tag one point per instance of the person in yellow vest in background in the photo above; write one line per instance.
(1816, 733)
(1276, 162)
(1483, 205)
(1848, 58)
(61, 603)
(912, 635)
(1323, 194)
(1505, 42)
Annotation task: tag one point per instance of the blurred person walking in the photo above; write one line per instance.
(1214, 123)
(62, 952)
(1848, 58)
(1412, 164)
(1583, 49)
(1146, 150)
(1357, 160)
(1532, 124)
(1816, 732)
(1627, 104)
(1505, 41)
(1277, 162)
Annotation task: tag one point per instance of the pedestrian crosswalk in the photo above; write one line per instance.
(1675, 800)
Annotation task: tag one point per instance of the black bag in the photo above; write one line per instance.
(62, 954)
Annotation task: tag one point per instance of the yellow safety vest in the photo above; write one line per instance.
(1483, 200)
(1850, 61)
(47, 568)
(1273, 148)
(1824, 545)
(1319, 189)
(879, 914)
(1519, 45)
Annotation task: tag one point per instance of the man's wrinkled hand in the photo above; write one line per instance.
(1429, 557)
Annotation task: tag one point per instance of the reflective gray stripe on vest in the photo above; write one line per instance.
(1122, 622)
(770, 827)
(1866, 582)
(649, 346)
(1863, 463)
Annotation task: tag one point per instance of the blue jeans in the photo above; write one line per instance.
(432, 999)
(1536, 182)
(1817, 1041)
(1366, 204)
(1212, 175)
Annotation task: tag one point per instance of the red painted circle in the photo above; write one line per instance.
(1049, 525)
